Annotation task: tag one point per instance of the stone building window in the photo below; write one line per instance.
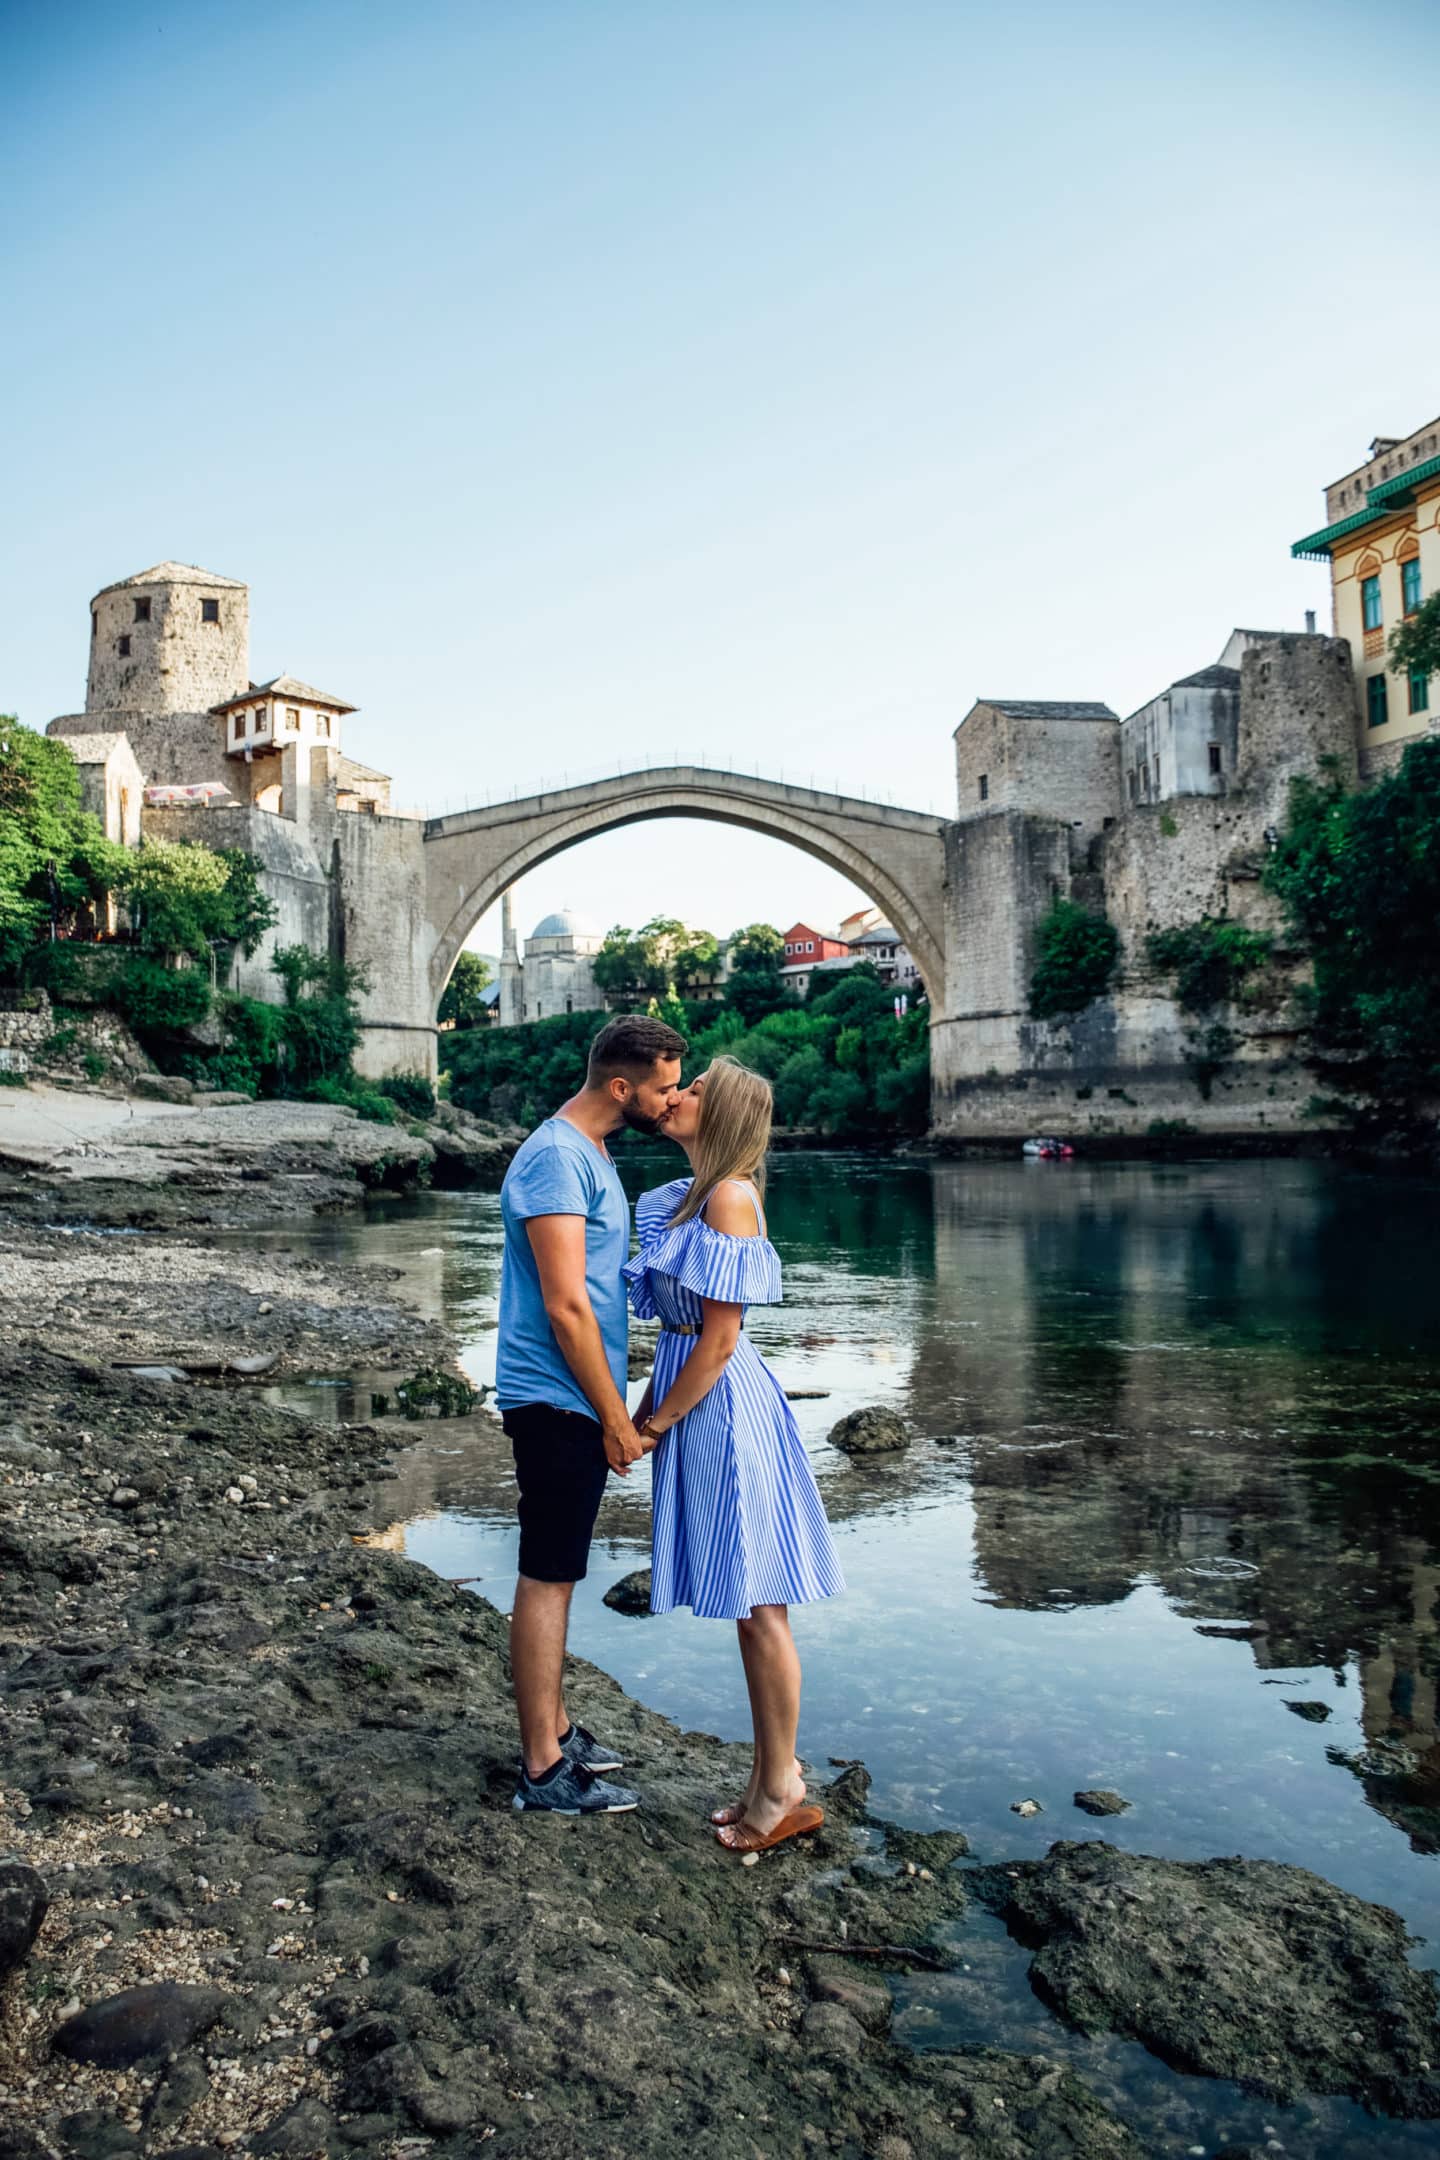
(1419, 692)
(210, 611)
(292, 716)
(1370, 607)
(1215, 764)
(237, 725)
(122, 646)
(322, 723)
(142, 611)
(1376, 707)
(984, 787)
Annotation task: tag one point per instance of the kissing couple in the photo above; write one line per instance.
(738, 1529)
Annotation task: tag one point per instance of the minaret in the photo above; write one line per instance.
(511, 1002)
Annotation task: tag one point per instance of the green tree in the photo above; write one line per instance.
(55, 862)
(754, 986)
(184, 897)
(1210, 960)
(1075, 958)
(1359, 879)
(462, 1005)
(1415, 645)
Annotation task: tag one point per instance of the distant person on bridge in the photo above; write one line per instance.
(560, 1381)
(738, 1527)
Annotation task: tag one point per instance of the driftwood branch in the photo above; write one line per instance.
(885, 1953)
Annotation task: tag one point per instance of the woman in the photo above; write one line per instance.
(739, 1530)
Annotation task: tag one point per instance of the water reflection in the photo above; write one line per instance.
(1177, 1467)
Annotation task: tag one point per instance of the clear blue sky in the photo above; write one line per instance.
(576, 383)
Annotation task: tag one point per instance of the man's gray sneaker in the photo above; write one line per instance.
(572, 1790)
(582, 1747)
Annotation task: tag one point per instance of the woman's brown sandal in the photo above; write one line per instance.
(745, 1838)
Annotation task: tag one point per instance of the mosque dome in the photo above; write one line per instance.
(564, 923)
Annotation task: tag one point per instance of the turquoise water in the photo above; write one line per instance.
(1148, 1400)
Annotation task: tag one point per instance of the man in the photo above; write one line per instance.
(560, 1381)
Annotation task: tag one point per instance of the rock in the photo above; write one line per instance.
(94, 2134)
(631, 1594)
(139, 2022)
(24, 1901)
(1250, 1970)
(125, 1496)
(831, 2030)
(1101, 1803)
(1026, 1807)
(308, 2127)
(867, 2001)
(871, 1431)
(163, 1087)
(1315, 1713)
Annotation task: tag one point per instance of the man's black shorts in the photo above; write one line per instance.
(561, 1470)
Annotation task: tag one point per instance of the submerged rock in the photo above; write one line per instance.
(631, 1594)
(1101, 1803)
(24, 1901)
(1244, 1969)
(1315, 1713)
(873, 1430)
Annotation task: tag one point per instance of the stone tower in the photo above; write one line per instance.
(172, 639)
(511, 994)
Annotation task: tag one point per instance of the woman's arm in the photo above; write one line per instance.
(732, 1211)
(719, 1333)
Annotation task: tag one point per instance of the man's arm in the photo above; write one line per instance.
(558, 1243)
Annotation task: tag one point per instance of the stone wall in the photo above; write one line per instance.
(1132, 1064)
(176, 749)
(39, 1036)
(383, 925)
(295, 880)
(1036, 759)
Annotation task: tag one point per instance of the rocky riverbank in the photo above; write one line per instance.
(255, 1782)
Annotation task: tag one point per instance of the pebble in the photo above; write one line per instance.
(124, 1496)
(248, 1484)
(750, 1859)
(234, 1494)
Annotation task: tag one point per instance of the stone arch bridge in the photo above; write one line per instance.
(896, 857)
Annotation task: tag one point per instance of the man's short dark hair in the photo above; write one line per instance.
(629, 1046)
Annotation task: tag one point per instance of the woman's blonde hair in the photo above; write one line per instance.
(736, 1107)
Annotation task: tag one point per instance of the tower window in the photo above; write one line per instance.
(1215, 757)
(142, 611)
(94, 623)
(1376, 709)
(292, 716)
(1410, 584)
(1370, 603)
(122, 646)
(984, 787)
(210, 611)
(1419, 691)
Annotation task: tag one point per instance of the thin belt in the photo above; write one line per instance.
(679, 1327)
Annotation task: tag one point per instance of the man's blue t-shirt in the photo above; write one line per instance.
(559, 1172)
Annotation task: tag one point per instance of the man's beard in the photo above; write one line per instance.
(639, 1122)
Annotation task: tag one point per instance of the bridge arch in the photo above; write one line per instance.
(896, 857)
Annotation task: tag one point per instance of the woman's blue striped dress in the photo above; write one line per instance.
(738, 1520)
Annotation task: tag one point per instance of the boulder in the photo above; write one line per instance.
(831, 2030)
(873, 1430)
(163, 1087)
(1251, 1970)
(139, 2023)
(867, 2001)
(24, 1901)
(1101, 1803)
(631, 1594)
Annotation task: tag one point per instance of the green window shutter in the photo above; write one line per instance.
(1419, 692)
(1370, 602)
(1410, 585)
(1376, 710)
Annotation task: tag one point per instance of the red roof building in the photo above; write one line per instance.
(804, 943)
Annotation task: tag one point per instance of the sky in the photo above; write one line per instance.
(582, 385)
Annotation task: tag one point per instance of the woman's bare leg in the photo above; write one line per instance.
(737, 1809)
(772, 1672)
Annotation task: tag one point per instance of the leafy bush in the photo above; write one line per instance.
(158, 1001)
(411, 1092)
(1211, 960)
(1359, 879)
(184, 897)
(1075, 958)
(351, 1093)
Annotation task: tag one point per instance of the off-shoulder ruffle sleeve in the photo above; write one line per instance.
(736, 1270)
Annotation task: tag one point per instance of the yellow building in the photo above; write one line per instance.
(1382, 543)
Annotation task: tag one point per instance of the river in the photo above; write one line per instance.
(1151, 1402)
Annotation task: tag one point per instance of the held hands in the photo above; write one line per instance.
(624, 1446)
